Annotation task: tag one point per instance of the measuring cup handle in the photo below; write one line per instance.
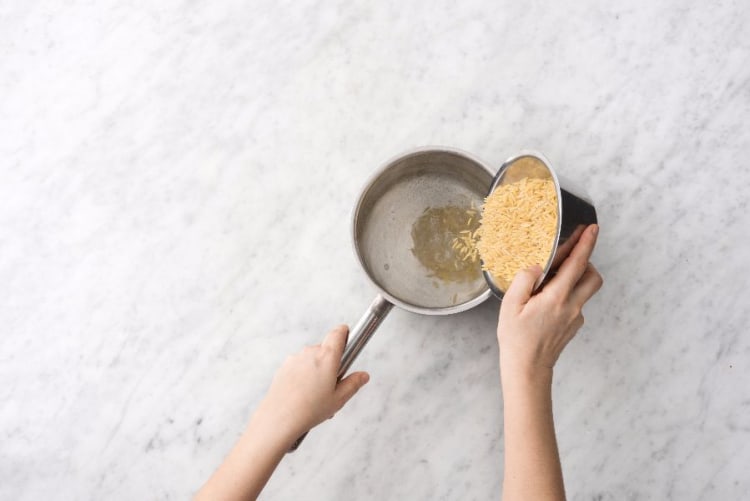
(358, 337)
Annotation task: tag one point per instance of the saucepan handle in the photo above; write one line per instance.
(358, 337)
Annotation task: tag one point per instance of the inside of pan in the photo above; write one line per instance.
(406, 222)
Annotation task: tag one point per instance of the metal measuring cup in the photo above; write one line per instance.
(575, 210)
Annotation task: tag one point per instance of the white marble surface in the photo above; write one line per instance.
(177, 180)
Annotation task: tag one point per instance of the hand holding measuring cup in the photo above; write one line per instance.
(534, 329)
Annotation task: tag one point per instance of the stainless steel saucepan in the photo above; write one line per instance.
(382, 230)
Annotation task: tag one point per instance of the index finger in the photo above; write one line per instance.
(336, 339)
(575, 264)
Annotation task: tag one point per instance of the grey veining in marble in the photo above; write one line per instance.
(175, 194)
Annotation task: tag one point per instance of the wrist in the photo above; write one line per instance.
(276, 424)
(526, 375)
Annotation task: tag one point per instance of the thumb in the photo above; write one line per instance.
(348, 386)
(520, 289)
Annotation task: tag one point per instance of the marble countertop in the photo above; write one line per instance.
(177, 183)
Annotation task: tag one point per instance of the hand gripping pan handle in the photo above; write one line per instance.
(359, 335)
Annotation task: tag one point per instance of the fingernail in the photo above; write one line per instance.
(595, 230)
(365, 378)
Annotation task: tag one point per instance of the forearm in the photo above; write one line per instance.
(532, 463)
(305, 391)
(249, 465)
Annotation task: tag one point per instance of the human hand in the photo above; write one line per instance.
(533, 330)
(305, 391)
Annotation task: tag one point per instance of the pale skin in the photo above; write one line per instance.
(304, 393)
(533, 329)
(532, 332)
